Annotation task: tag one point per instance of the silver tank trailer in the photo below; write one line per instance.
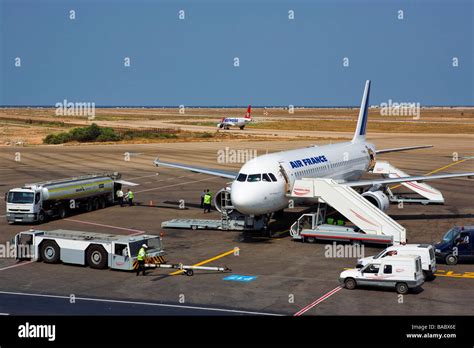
(76, 189)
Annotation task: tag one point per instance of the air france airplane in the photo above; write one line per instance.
(240, 122)
(262, 184)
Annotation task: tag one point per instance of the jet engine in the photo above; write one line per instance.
(377, 198)
(223, 197)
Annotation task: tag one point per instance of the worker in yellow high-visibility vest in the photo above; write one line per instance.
(130, 197)
(141, 259)
(207, 201)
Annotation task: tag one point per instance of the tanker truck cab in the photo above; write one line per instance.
(400, 272)
(425, 251)
(24, 205)
(457, 245)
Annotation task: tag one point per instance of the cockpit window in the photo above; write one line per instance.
(265, 177)
(242, 177)
(254, 177)
(272, 176)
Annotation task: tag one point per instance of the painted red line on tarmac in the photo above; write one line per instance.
(318, 301)
(135, 232)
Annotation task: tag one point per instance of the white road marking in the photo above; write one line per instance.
(17, 265)
(145, 176)
(4, 313)
(179, 184)
(139, 303)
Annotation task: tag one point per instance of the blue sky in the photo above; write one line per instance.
(190, 61)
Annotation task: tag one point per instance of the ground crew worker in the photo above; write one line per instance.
(120, 196)
(141, 259)
(130, 197)
(207, 201)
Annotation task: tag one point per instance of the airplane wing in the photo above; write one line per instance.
(406, 179)
(397, 149)
(214, 172)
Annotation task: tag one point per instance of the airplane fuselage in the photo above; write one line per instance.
(234, 122)
(262, 183)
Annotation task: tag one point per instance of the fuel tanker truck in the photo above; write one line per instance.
(57, 198)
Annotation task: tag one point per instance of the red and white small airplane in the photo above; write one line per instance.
(240, 122)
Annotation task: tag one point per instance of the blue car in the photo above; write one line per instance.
(457, 245)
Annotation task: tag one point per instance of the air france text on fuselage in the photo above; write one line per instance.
(308, 161)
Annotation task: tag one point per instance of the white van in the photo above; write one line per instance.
(399, 272)
(425, 251)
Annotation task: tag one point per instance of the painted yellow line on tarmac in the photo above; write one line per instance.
(441, 273)
(436, 170)
(210, 260)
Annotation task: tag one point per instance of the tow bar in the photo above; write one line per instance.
(188, 270)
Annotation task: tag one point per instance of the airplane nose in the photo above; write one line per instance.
(242, 200)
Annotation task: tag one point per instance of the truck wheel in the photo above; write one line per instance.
(451, 259)
(50, 251)
(95, 204)
(41, 217)
(189, 272)
(402, 288)
(89, 206)
(350, 283)
(96, 257)
(310, 239)
(102, 203)
(62, 212)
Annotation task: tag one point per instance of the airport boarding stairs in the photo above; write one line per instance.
(363, 214)
(430, 194)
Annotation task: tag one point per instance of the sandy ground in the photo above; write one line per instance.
(312, 123)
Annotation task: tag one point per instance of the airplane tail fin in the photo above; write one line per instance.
(359, 134)
(249, 111)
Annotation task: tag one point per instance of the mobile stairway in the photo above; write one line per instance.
(372, 225)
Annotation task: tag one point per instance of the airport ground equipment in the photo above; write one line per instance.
(457, 245)
(430, 194)
(36, 202)
(231, 220)
(96, 250)
(374, 226)
(400, 272)
(187, 270)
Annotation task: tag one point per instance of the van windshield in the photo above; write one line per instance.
(379, 254)
(451, 234)
(20, 197)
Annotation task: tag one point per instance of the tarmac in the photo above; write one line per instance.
(290, 277)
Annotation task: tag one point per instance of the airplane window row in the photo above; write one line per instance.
(326, 166)
(269, 177)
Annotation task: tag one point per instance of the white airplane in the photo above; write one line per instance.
(240, 122)
(261, 185)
